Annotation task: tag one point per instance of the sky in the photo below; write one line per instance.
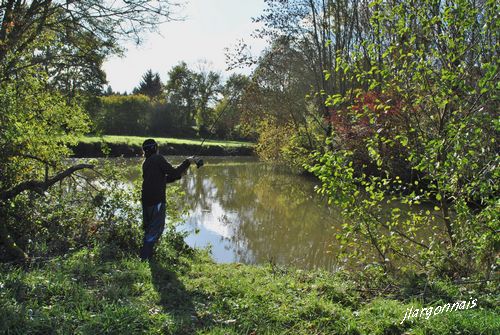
(200, 40)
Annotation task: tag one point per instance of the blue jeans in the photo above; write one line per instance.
(153, 223)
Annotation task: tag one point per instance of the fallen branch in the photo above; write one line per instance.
(41, 186)
(35, 186)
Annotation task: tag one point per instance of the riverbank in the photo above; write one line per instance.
(89, 292)
(130, 146)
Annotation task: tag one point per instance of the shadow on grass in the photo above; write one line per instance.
(176, 300)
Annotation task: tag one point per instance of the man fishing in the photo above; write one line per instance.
(156, 173)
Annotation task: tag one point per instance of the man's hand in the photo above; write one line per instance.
(191, 159)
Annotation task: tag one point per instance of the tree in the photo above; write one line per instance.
(23, 23)
(207, 87)
(78, 72)
(40, 42)
(150, 85)
(193, 93)
(37, 127)
(306, 39)
(276, 99)
(231, 125)
(181, 92)
(109, 91)
(323, 31)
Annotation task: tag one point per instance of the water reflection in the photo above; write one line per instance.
(253, 212)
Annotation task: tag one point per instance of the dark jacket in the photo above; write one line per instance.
(156, 173)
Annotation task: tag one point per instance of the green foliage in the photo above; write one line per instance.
(445, 136)
(37, 127)
(208, 86)
(272, 138)
(181, 92)
(119, 114)
(138, 115)
(192, 93)
(35, 123)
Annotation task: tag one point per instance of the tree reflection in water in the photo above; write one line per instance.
(254, 212)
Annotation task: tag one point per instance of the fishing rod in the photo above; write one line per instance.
(199, 162)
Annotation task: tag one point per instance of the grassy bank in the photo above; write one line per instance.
(88, 293)
(130, 146)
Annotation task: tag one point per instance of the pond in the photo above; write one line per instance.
(254, 212)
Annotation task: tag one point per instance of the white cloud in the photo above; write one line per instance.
(210, 27)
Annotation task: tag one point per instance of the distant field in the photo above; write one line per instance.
(137, 141)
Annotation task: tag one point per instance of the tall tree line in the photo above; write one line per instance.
(186, 105)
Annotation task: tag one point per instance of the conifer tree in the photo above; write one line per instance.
(150, 85)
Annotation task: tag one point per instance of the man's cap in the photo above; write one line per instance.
(149, 144)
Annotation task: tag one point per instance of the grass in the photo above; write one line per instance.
(137, 141)
(86, 293)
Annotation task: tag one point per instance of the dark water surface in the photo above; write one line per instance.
(253, 212)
